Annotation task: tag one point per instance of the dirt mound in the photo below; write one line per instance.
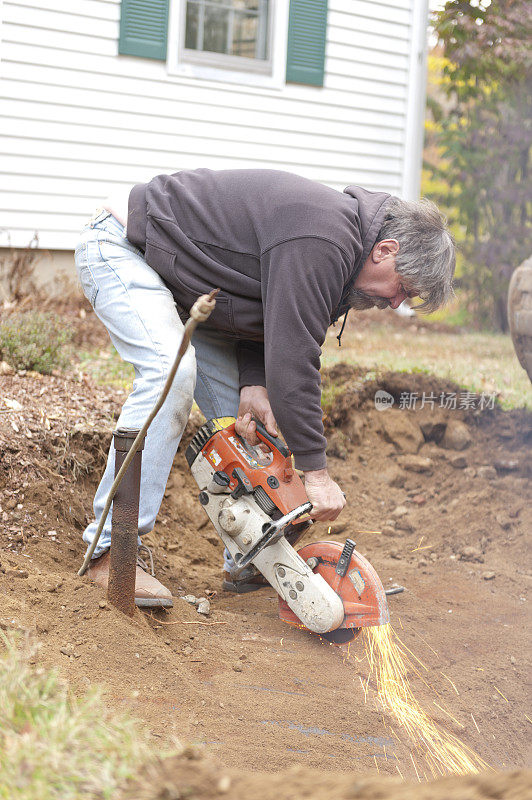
(192, 775)
(448, 524)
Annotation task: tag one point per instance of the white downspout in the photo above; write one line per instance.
(415, 104)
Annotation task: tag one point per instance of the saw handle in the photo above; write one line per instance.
(264, 436)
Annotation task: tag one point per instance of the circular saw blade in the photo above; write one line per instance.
(359, 588)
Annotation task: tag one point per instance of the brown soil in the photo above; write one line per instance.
(255, 694)
(191, 775)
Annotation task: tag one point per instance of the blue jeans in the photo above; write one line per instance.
(139, 312)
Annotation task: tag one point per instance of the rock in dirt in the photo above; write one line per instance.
(16, 573)
(237, 667)
(102, 604)
(402, 432)
(392, 477)
(189, 598)
(457, 436)
(470, 472)
(387, 530)
(404, 524)
(470, 553)
(488, 472)
(506, 465)
(14, 405)
(203, 606)
(399, 512)
(6, 369)
(339, 528)
(504, 521)
(224, 784)
(458, 462)
(488, 576)
(433, 429)
(414, 463)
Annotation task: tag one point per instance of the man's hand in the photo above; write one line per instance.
(325, 495)
(254, 402)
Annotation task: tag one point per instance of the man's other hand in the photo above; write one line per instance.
(254, 403)
(325, 495)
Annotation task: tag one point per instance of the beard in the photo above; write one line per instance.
(361, 301)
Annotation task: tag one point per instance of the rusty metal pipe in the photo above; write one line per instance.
(125, 519)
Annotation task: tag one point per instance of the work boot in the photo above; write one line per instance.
(249, 580)
(149, 592)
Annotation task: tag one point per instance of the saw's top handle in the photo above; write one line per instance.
(273, 441)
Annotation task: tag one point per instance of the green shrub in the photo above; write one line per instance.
(35, 340)
(54, 746)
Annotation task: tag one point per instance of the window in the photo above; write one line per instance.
(233, 27)
(263, 43)
(232, 34)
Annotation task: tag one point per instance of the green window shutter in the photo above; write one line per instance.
(307, 30)
(144, 28)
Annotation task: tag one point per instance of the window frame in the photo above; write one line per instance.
(206, 65)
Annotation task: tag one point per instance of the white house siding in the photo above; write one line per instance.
(80, 121)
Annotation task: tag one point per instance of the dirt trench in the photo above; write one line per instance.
(449, 524)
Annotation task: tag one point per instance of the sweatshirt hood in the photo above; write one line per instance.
(370, 209)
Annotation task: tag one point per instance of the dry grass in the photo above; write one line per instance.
(481, 362)
(54, 746)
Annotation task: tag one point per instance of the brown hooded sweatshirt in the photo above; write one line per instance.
(284, 250)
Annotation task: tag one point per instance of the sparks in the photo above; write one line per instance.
(448, 714)
(375, 760)
(402, 644)
(367, 532)
(475, 723)
(501, 694)
(396, 736)
(414, 763)
(363, 688)
(389, 665)
(452, 684)
(425, 642)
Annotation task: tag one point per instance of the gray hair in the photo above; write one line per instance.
(426, 259)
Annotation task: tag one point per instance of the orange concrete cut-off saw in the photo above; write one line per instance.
(256, 500)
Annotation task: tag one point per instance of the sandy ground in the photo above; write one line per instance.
(254, 694)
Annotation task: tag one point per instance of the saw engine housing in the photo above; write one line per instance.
(254, 499)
